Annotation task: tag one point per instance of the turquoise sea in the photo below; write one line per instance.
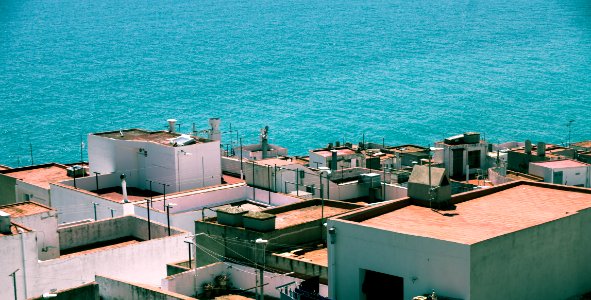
(314, 71)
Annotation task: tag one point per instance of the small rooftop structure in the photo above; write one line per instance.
(437, 188)
(165, 138)
(561, 164)
(341, 151)
(478, 215)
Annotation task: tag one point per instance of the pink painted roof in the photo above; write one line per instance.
(340, 152)
(559, 164)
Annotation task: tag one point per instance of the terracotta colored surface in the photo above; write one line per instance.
(318, 256)
(486, 217)
(24, 209)
(231, 179)
(306, 214)
(41, 177)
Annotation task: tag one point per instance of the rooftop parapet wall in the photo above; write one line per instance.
(109, 229)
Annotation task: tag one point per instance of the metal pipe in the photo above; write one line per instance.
(148, 210)
(21, 232)
(13, 275)
(168, 218)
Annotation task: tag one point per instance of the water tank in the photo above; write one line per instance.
(171, 125)
(528, 146)
(541, 149)
(471, 138)
(4, 223)
(454, 140)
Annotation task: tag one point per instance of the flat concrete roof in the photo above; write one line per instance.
(478, 215)
(340, 152)
(25, 209)
(134, 134)
(40, 175)
(560, 164)
(315, 256)
(308, 211)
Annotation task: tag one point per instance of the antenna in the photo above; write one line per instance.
(569, 125)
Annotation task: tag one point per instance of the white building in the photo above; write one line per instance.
(344, 156)
(519, 240)
(40, 218)
(567, 172)
(464, 153)
(116, 247)
(31, 183)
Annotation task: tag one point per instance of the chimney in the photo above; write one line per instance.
(124, 188)
(171, 125)
(337, 144)
(214, 133)
(5, 223)
(527, 147)
(329, 147)
(333, 161)
(541, 149)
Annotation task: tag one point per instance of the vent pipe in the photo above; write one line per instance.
(333, 161)
(171, 125)
(124, 188)
(5, 222)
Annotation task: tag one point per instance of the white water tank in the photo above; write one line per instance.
(171, 125)
(214, 132)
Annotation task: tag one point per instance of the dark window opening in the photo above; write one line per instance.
(382, 286)
(474, 159)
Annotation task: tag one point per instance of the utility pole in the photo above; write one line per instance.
(148, 203)
(241, 166)
(13, 275)
(167, 208)
(94, 204)
(96, 174)
(262, 270)
(164, 185)
(31, 151)
(189, 244)
(570, 123)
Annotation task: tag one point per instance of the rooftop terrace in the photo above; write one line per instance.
(40, 175)
(478, 215)
(559, 164)
(22, 209)
(158, 137)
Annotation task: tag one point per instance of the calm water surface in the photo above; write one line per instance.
(314, 71)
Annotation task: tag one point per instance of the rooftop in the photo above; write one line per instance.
(40, 175)
(407, 149)
(315, 256)
(340, 152)
(479, 215)
(3, 167)
(25, 209)
(158, 137)
(559, 164)
(583, 144)
(307, 211)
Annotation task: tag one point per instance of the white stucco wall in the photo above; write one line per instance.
(35, 193)
(11, 259)
(430, 261)
(45, 224)
(73, 205)
(548, 261)
(579, 176)
(181, 168)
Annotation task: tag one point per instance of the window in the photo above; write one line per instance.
(474, 159)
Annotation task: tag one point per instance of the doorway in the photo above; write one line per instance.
(378, 285)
